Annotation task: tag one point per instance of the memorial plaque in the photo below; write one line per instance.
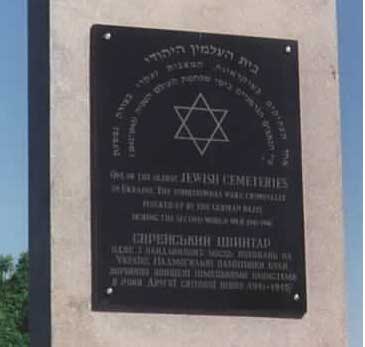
(197, 203)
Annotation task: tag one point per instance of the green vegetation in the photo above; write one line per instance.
(14, 301)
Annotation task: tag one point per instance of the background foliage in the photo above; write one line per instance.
(14, 301)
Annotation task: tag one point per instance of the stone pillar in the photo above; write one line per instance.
(310, 22)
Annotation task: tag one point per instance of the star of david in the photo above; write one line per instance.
(184, 132)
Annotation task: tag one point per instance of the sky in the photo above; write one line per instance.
(350, 44)
(13, 127)
(13, 141)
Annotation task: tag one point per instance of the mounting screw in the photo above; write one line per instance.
(288, 49)
(109, 291)
(296, 297)
(107, 36)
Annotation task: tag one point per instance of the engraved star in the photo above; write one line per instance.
(187, 132)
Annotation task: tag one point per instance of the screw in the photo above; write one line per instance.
(107, 36)
(109, 291)
(288, 49)
(296, 297)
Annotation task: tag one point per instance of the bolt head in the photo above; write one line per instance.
(107, 36)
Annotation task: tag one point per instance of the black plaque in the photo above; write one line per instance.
(197, 202)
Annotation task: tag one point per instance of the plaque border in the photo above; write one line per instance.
(99, 305)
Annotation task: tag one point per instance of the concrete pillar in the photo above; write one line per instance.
(310, 22)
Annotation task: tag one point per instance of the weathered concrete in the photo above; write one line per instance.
(313, 24)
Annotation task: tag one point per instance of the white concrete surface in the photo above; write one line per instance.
(313, 24)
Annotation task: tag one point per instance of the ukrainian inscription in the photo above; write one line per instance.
(196, 174)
